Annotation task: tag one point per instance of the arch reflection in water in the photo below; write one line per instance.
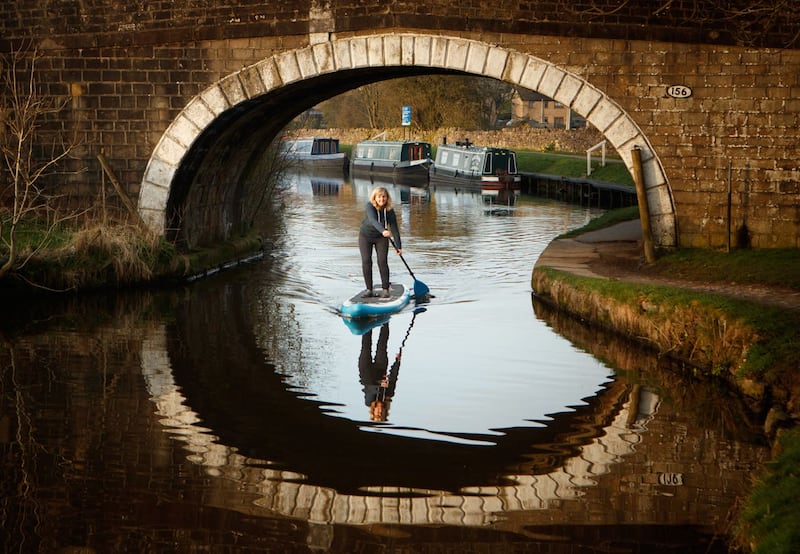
(495, 420)
(303, 463)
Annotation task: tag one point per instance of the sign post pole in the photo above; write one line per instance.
(406, 119)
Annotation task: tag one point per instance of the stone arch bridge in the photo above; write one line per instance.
(182, 99)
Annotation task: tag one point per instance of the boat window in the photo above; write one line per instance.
(487, 164)
(416, 152)
(394, 153)
(475, 164)
(444, 157)
(456, 159)
(325, 146)
(512, 163)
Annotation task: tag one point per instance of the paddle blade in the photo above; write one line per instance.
(420, 289)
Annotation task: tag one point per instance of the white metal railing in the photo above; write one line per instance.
(602, 146)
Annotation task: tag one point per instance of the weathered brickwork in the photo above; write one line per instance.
(131, 69)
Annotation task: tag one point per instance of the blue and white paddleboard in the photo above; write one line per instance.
(365, 324)
(359, 307)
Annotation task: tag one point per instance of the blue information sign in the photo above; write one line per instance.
(406, 115)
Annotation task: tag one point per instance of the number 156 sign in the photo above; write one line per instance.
(679, 91)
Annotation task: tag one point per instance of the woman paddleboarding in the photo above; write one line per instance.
(377, 229)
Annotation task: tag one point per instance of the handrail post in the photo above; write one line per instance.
(602, 146)
(644, 211)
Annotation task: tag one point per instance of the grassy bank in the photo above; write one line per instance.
(102, 256)
(572, 166)
(756, 348)
(770, 521)
(774, 267)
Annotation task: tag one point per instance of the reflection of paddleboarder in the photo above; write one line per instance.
(379, 384)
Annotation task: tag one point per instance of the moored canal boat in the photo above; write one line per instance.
(400, 162)
(488, 169)
(317, 154)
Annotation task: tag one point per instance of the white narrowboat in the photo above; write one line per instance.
(398, 162)
(315, 154)
(485, 168)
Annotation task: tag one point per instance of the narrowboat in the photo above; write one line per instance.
(399, 162)
(316, 154)
(485, 168)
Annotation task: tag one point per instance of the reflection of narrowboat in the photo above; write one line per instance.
(401, 162)
(488, 169)
(318, 184)
(404, 194)
(315, 154)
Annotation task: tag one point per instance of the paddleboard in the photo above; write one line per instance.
(359, 307)
(364, 324)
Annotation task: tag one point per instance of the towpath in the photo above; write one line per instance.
(616, 253)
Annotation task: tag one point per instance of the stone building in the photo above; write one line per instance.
(537, 110)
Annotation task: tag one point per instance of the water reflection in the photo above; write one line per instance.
(316, 183)
(233, 412)
(265, 416)
(378, 380)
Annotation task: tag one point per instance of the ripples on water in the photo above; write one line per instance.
(231, 414)
(477, 359)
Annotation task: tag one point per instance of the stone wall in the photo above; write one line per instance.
(517, 138)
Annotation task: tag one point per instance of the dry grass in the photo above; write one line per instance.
(718, 335)
(98, 256)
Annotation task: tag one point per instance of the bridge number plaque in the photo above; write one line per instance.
(670, 479)
(679, 91)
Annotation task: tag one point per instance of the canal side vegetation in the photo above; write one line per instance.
(770, 520)
(573, 165)
(719, 336)
(752, 346)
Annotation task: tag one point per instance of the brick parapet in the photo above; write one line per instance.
(88, 23)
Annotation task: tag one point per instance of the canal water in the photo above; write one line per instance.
(232, 413)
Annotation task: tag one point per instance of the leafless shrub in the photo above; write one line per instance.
(30, 155)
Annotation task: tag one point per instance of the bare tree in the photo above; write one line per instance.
(29, 154)
(371, 99)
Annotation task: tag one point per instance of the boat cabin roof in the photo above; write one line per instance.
(392, 150)
(469, 159)
(311, 145)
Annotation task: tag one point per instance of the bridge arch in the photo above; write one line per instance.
(236, 116)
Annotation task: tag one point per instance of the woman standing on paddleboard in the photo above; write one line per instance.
(377, 228)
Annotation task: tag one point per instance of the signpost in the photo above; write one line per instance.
(406, 119)
(406, 116)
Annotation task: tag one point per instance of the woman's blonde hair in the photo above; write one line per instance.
(375, 193)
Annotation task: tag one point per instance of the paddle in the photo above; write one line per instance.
(420, 288)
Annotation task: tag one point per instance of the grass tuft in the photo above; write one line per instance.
(770, 521)
(99, 256)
